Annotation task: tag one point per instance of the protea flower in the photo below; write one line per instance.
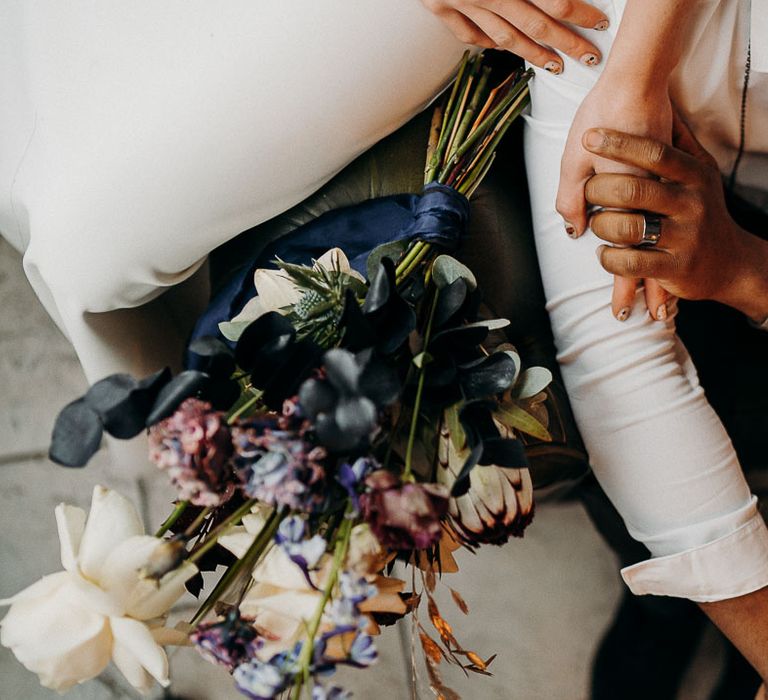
(499, 503)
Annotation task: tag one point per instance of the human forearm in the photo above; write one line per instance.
(649, 43)
(748, 290)
(743, 621)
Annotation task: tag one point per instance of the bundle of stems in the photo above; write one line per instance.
(465, 132)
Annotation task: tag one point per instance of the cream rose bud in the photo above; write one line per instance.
(69, 625)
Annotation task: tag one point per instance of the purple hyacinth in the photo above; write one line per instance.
(265, 680)
(228, 642)
(305, 553)
(332, 693)
(278, 466)
(351, 476)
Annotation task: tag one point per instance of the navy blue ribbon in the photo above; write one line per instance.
(438, 216)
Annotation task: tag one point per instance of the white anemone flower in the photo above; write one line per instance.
(278, 292)
(69, 625)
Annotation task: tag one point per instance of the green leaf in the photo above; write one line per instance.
(455, 429)
(514, 417)
(532, 381)
(446, 270)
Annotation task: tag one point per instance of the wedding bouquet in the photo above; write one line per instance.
(339, 423)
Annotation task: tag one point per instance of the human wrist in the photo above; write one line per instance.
(748, 287)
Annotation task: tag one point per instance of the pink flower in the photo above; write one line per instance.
(194, 446)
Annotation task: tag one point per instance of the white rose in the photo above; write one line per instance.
(67, 626)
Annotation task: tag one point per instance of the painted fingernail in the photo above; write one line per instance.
(553, 67)
(623, 314)
(602, 25)
(590, 59)
(661, 313)
(570, 230)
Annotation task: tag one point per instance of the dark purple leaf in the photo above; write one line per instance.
(182, 386)
(76, 435)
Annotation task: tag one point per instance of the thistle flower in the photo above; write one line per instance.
(499, 502)
(228, 642)
(403, 516)
(194, 446)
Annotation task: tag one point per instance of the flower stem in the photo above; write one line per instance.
(197, 522)
(340, 552)
(170, 521)
(250, 403)
(247, 562)
(213, 537)
(408, 470)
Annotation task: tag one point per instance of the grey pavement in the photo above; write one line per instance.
(540, 603)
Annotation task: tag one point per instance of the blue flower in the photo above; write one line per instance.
(332, 693)
(363, 651)
(350, 476)
(305, 553)
(260, 681)
(228, 642)
(355, 588)
(264, 680)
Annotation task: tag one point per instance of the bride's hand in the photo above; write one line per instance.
(614, 105)
(527, 29)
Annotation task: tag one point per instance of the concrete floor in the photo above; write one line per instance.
(541, 603)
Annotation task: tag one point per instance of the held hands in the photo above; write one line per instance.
(700, 249)
(624, 108)
(525, 28)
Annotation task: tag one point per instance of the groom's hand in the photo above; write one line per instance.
(702, 253)
(527, 29)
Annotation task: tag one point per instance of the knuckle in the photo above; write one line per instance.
(632, 265)
(505, 40)
(655, 153)
(561, 8)
(536, 27)
(630, 189)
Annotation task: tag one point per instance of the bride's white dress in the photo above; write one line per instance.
(136, 137)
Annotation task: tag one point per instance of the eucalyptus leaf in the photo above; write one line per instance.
(532, 381)
(455, 429)
(232, 330)
(76, 435)
(487, 376)
(446, 270)
(450, 299)
(392, 250)
(182, 386)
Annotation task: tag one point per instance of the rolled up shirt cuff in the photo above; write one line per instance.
(728, 567)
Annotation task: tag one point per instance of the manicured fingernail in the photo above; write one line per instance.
(590, 59)
(661, 313)
(623, 314)
(553, 67)
(602, 25)
(594, 138)
(570, 230)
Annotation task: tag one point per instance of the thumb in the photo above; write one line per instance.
(575, 170)
(683, 138)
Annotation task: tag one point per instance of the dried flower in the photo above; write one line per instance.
(365, 554)
(194, 446)
(302, 551)
(228, 642)
(332, 693)
(404, 516)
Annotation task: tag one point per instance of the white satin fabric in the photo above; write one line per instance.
(135, 137)
(655, 444)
